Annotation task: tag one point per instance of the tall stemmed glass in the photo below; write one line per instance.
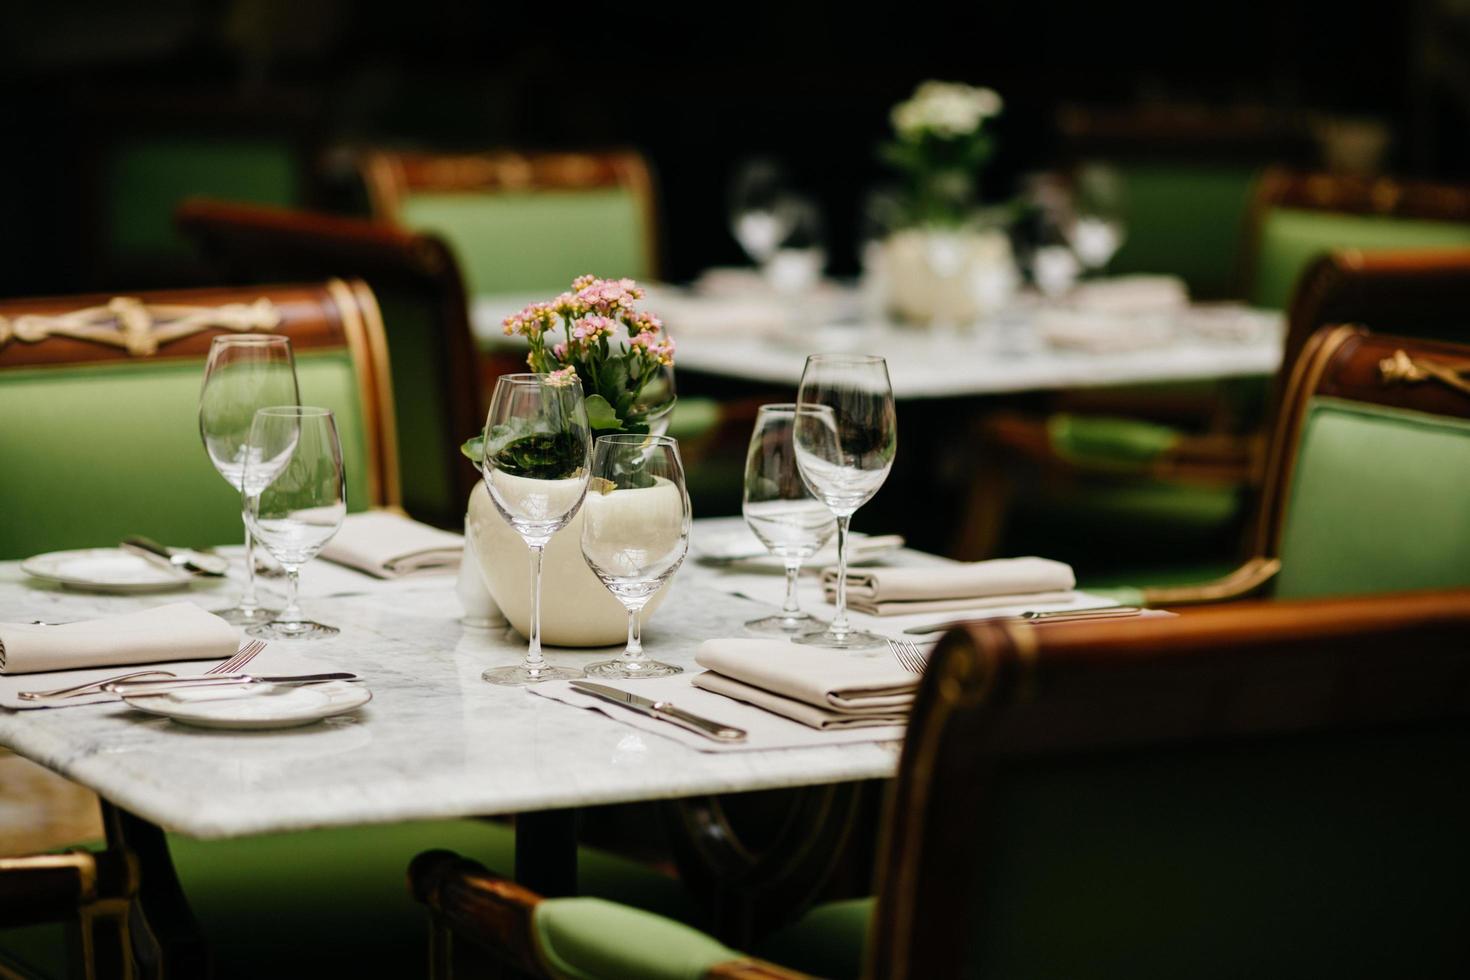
(635, 534)
(846, 437)
(295, 500)
(245, 372)
(537, 453)
(782, 512)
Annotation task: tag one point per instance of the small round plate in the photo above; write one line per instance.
(256, 708)
(104, 570)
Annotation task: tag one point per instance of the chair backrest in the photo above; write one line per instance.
(1295, 217)
(417, 283)
(524, 222)
(100, 398)
(1261, 789)
(1366, 476)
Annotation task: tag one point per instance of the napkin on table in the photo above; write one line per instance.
(819, 688)
(389, 545)
(940, 588)
(178, 631)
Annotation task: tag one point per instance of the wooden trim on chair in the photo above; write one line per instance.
(363, 326)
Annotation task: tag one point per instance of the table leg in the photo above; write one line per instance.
(166, 936)
(546, 851)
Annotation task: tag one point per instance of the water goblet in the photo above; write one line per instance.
(244, 372)
(535, 466)
(781, 511)
(295, 500)
(846, 435)
(635, 534)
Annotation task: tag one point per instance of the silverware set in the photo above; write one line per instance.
(910, 656)
(243, 656)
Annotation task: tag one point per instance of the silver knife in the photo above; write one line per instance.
(187, 559)
(1031, 616)
(167, 685)
(663, 711)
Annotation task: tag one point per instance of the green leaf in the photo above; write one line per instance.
(600, 414)
(474, 449)
(612, 377)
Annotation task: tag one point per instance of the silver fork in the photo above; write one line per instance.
(243, 656)
(909, 656)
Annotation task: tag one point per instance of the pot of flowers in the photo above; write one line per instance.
(624, 361)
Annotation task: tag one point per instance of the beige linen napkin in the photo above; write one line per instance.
(178, 631)
(390, 545)
(940, 588)
(808, 714)
(830, 681)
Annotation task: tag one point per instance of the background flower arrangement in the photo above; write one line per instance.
(942, 143)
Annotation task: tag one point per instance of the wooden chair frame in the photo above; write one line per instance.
(90, 892)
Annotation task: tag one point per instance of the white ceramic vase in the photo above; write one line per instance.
(576, 608)
(950, 277)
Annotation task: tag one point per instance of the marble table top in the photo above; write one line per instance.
(435, 741)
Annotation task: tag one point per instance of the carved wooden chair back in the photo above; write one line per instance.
(100, 400)
(421, 295)
(518, 221)
(1270, 788)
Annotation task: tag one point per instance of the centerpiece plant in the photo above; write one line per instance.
(942, 142)
(619, 354)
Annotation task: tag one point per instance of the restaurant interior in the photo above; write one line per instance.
(736, 491)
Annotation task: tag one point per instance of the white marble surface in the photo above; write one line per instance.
(1004, 355)
(436, 741)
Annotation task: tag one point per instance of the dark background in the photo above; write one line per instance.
(695, 87)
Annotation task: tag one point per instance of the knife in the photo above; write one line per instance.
(1031, 616)
(193, 562)
(663, 711)
(167, 685)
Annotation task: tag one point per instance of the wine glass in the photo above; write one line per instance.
(846, 435)
(1096, 229)
(244, 372)
(535, 464)
(295, 500)
(760, 219)
(782, 512)
(635, 534)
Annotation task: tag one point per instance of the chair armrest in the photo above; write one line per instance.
(1111, 445)
(584, 937)
(1246, 580)
(56, 887)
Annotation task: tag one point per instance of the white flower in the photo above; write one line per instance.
(945, 109)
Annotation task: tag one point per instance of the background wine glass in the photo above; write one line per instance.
(296, 498)
(244, 372)
(635, 534)
(781, 511)
(535, 465)
(1097, 226)
(846, 436)
(759, 217)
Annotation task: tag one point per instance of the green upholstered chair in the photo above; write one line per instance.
(101, 392)
(421, 296)
(518, 222)
(1265, 789)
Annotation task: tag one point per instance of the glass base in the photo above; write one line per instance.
(304, 630)
(258, 616)
(781, 625)
(631, 669)
(851, 640)
(520, 675)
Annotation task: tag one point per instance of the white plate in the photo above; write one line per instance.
(104, 570)
(260, 707)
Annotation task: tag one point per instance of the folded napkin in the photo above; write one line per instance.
(178, 631)
(1131, 294)
(808, 714)
(1104, 332)
(390, 545)
(939, 588)
(834, 683)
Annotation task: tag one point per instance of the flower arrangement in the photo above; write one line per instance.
(942, 143)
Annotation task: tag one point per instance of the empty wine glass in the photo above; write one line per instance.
(778, 507)
(535, 465)
(244, 372)
(295, 500)
(846, 436)
(635, 534)
(1096, 229)
(759, 217)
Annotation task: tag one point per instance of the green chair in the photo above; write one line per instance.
(101, 393)
(420, 294)
(1267, 790)
(523, 223)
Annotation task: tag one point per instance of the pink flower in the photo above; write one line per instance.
(589, 328)
(639, 322)
(655, 348)
(559, 351)
(533, 321)
(607, 296)
(563, 375)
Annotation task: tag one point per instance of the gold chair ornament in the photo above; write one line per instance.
(138, 328)
(1403, 369)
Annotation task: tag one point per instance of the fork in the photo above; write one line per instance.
(246, 653)
(909, 656)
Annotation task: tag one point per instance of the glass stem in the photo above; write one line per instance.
(839, 621)
(533, 652)
(248, 601)
(791, 608)
(292, 612)
(634, 651)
